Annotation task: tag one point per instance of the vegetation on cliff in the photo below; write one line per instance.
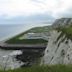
(27, 41)
(67, 31)
(65, 34)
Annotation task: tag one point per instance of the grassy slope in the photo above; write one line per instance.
(27, 41)
(53, 68)
(67, 31)
(35, 30)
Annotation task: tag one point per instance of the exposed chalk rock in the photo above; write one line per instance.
(58, 52)
(62, 22)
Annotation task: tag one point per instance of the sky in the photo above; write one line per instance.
(24, 11)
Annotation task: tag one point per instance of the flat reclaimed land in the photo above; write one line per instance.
(16, 40)
(26, 41)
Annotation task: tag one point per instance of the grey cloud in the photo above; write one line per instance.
(66, 13)
(37, 18)
(38, 1)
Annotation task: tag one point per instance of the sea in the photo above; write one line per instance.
(7, 57)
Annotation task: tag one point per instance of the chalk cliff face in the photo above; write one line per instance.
(62, 22)
(58, 51)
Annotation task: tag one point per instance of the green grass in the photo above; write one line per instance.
(27, 41)
(67, 31)
(66, 34)
(52, 68)
(40, 29)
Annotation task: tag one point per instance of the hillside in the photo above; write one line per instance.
(59, 49)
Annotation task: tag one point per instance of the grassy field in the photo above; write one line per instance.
(27, 41)
(52, 68)
(40, 29)
(68, 32)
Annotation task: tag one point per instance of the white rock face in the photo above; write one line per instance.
(8, 60)
(62, 22)
(56, 53)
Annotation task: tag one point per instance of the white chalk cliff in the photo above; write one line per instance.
(58, 52)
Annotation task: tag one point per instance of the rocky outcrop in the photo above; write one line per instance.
(58, 53)
(59, 48)
(62, 22)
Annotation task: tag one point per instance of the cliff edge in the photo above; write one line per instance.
(59, 48)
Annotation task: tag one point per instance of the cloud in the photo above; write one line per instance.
(38, 1)
(64, 9)
(37, 18)
(19, 7)
(67, 13)
(26, 7)
(34, 10)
